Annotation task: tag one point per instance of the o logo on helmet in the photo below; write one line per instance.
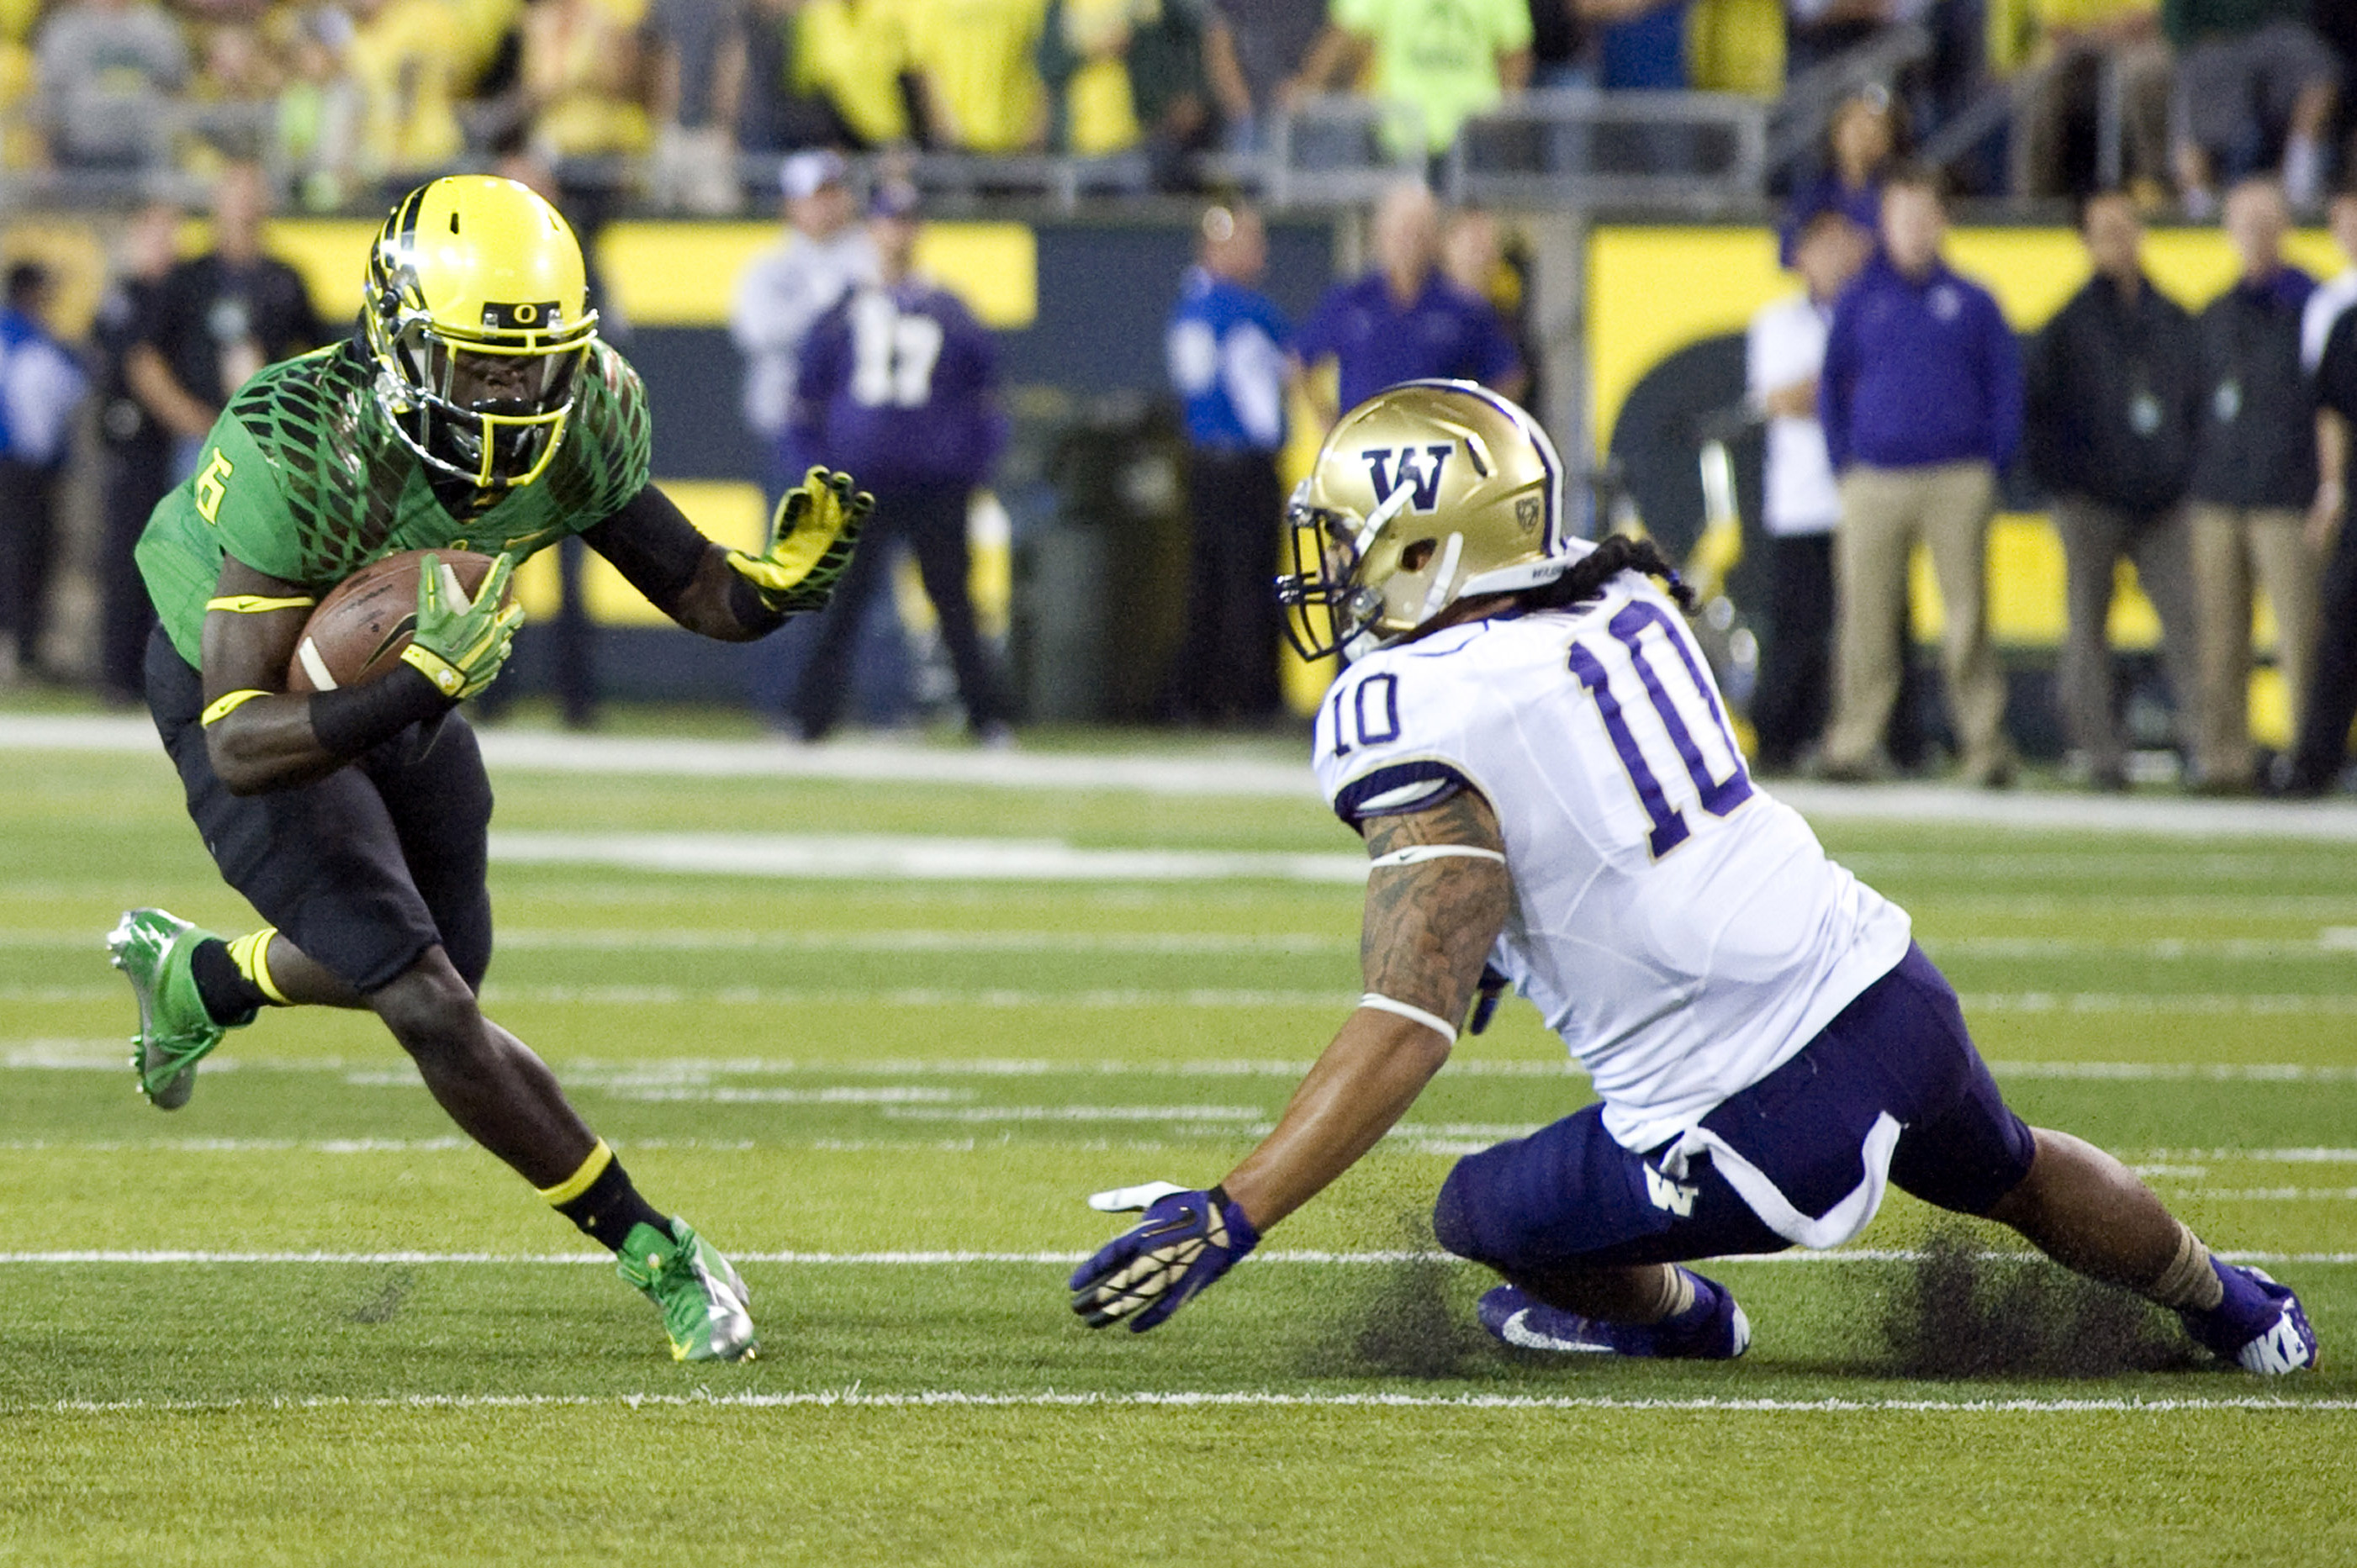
(527, 313)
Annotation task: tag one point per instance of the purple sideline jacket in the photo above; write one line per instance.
(1919, 373)
(896, 386)
(1376, 343)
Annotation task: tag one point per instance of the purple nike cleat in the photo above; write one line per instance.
(1713, 1329)
(2259, 1326)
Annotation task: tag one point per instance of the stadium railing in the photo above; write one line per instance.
(1689, 153)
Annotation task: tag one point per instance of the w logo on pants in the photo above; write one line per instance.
(1420, 471)
(1675, 1197)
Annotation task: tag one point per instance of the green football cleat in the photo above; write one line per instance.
(152, 948)
(703, 1299)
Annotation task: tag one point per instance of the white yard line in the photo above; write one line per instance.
(930, 1399)
(2335, 1004)
(980, 1113)
(1197, 773)
(912, 858)
(2209, 1003)
(2280, 1156)
(1433, 1138)
(107, 1055)
(2208, 1072)
(497, 994)
(959, 1259)
(1179, 944)
(2333, 944)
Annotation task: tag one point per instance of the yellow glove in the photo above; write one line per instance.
(811, 541)
(459, 645)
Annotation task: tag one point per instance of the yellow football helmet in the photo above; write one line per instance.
(1426, 493)
(477, 314)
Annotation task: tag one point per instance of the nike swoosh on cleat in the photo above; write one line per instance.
(1514, 1332)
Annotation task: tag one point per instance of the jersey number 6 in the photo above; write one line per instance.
(212, 484)
(1718, 796)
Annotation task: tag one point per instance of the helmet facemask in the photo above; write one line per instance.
(1337, 557)
(490, 410)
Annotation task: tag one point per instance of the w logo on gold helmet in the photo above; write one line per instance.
(478, 315)
(1426, 493)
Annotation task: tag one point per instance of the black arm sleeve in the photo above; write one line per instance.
(349, 719)
(652, 545)
(656, 549)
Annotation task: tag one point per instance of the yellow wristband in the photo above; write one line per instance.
(254, 604)
(446, 677)
(224, 705)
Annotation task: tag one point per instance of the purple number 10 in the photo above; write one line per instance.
(1719, 796)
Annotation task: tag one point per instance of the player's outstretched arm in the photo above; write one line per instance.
(259, 736)
(1431, 920)
(726, 593)
(1437, 898)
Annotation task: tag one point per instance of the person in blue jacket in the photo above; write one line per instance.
(1231, 364)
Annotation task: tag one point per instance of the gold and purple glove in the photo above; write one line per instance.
(1187, 1240)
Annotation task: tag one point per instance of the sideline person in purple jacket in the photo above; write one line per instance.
(1404, 320)
(900, 379)
(1921, 400)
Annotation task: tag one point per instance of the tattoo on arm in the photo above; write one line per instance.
(1429, 925)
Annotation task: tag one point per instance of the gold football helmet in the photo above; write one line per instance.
(1426, 493)
(477, 314)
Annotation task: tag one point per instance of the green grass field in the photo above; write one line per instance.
(302, 1322)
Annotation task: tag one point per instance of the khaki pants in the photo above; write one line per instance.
(2229, 543)
(1884, 512)
(2094, 537)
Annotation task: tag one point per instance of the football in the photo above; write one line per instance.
(358, 632)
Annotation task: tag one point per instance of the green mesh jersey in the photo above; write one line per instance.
(303, 479)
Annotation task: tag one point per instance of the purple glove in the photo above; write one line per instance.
(1186, 1240)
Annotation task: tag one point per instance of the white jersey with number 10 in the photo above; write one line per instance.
(1683, 932)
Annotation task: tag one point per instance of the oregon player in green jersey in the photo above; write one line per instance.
(475, 409)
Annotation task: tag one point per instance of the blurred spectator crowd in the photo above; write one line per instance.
(2208, 449)
(670, 101)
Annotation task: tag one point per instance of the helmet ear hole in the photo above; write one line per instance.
(1417, 556)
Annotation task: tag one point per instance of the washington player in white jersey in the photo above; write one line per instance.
(1534, 751)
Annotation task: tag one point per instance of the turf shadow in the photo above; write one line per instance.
(1959, 1312)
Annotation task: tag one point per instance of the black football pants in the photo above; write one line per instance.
(2323, 744)
(362, 870)
(932, 517)
(1227, 663)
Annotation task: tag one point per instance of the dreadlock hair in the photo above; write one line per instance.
(1618, 552)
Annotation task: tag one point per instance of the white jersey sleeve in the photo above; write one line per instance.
(1682, 932)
